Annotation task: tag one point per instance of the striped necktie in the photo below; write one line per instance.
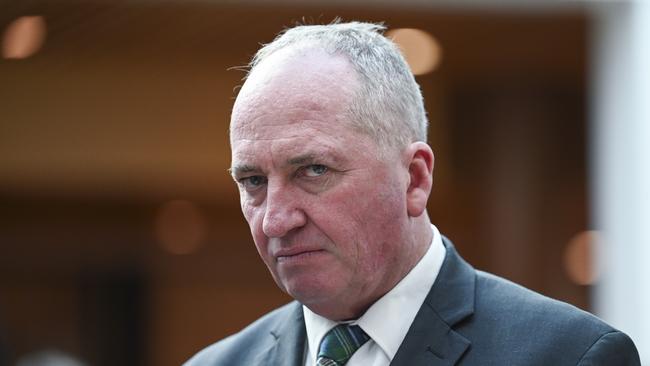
(339, 344)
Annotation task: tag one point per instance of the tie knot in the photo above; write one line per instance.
(339, 344)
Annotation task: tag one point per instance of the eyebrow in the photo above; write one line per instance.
(308, 158)
(246, 168)
(241, 169)
(302, 159)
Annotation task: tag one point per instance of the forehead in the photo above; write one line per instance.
(295, 137)
(293, 86)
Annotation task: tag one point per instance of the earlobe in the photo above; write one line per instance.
(420, 166)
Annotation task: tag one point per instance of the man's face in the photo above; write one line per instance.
(325, 210)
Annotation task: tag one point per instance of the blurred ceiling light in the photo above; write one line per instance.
(180, 227)
(23, 37)
(421, 50)
(579, 258)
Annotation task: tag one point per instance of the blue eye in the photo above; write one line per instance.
(315, 170)
(253, 182)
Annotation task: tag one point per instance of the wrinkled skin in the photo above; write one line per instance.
(337, 223)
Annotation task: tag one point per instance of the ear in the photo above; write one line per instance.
(419, 158)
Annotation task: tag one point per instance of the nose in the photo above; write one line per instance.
(283, 212)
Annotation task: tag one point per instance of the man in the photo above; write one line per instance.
(328, 137)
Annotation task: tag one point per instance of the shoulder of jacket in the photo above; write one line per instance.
(228, 350)
(501, 296)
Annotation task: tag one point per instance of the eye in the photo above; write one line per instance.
(315, 170)
(253, 182)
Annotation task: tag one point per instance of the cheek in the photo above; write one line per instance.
(253, 215)
(378, 205)
(363, 216)
(380, 220)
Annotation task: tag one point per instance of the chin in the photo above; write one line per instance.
(311, 291)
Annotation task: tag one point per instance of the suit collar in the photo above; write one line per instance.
(452, 295)
(431, 339)
(289, 339)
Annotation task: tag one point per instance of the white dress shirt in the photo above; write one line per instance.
(388, 320)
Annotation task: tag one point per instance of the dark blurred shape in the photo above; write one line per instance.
(4, 351)
(180, 227)
(421, 51)
(49, 357)
(24, 37)
(579, 258)
(113, 314)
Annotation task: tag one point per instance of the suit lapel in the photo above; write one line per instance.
(289, 340)
(431, 339)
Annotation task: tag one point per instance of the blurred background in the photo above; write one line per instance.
(121, 237)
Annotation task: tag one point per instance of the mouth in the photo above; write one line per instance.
(297, 255)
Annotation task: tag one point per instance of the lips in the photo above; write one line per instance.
(292, 254)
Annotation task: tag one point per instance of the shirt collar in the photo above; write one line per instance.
(388, 320)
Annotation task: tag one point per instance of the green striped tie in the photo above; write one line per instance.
(339, 344)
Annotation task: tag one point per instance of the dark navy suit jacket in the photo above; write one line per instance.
(468, 318)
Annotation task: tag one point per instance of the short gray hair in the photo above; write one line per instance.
(388, 105)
